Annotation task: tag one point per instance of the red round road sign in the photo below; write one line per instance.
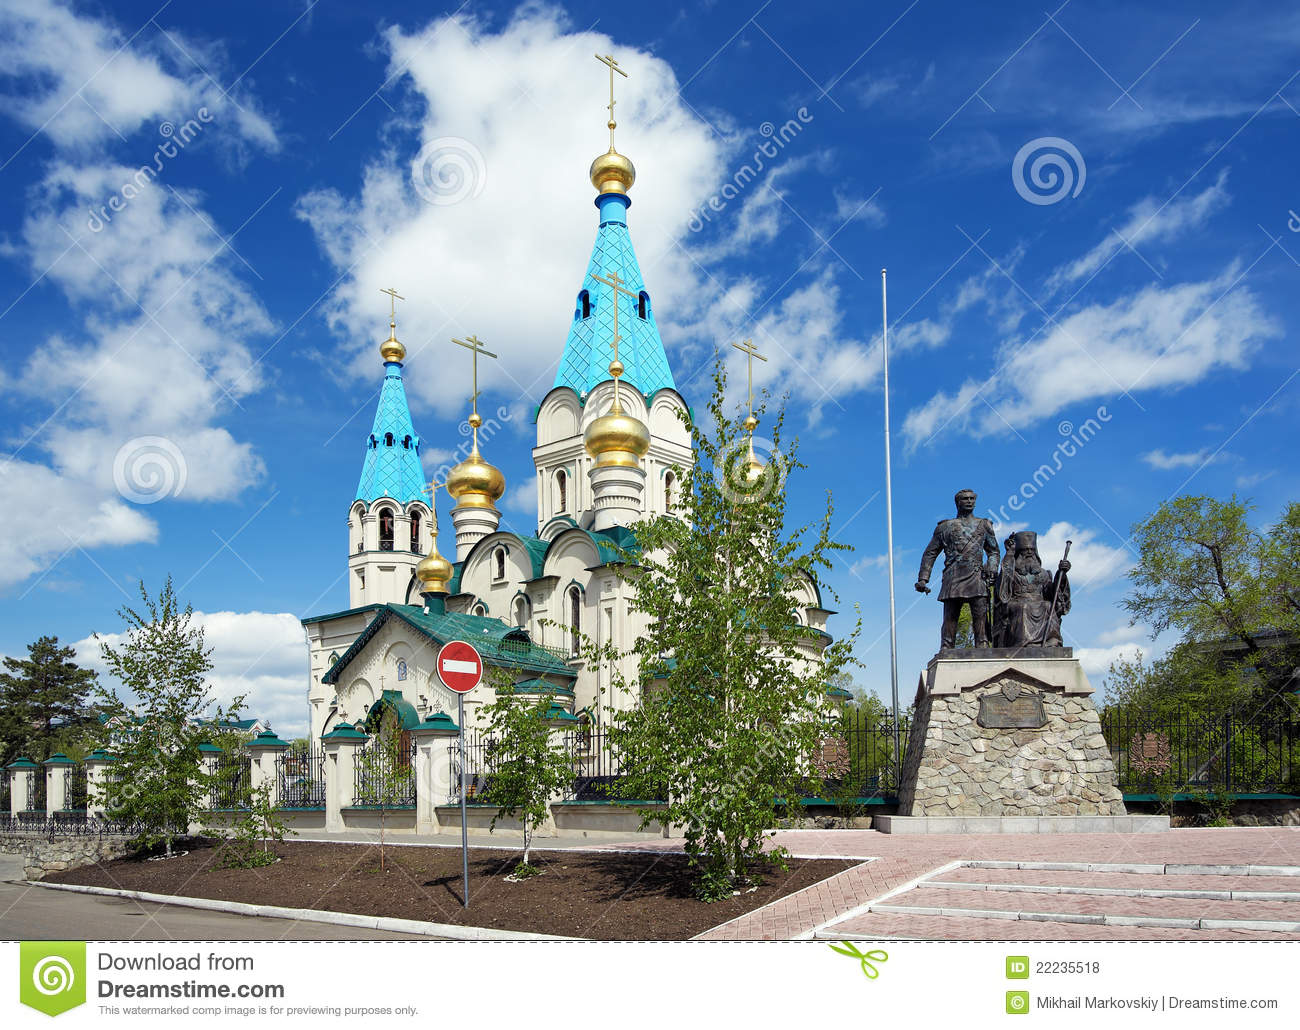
(459, 666)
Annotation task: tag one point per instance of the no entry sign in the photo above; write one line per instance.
(459, 666)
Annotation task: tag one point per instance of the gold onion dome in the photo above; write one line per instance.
(392, 349)
(612, 172)
(617, 438)
(434, 571)
(474, 482)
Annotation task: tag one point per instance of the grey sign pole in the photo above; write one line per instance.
(464, 831)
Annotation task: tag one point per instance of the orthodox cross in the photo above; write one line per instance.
(608, 59)
(393, 298)
(475, 346)
(615, 283)
(750, 352)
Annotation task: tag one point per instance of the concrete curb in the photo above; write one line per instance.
(1120, 892)
(745, 915)
(1170, 869)
(311, 915)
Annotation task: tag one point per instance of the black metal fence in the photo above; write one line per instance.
(383, 775)
(1178, 752)
(36, 795)
(37, 823)
(234, 775)
(476, 764)
(300, 778)
(856, 762)
(76, 794)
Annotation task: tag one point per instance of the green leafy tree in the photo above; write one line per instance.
(247, 843)
(44, 699)
(1230, 592)
(529, 766)
(731, 683)
(162, 664)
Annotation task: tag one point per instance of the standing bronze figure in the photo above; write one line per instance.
(1030, 600)
(967, 573)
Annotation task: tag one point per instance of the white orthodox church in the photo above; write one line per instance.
(608, 437)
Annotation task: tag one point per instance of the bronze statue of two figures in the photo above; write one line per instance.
(1027, 600)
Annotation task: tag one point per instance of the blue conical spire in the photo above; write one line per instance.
(589, 348)
(392, 467)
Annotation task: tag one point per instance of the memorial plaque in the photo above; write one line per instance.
(1012, 708)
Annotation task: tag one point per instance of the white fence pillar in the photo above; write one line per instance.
(264, 749)
(435, 738)
(56, 782)
(21, 771)
(340, 746)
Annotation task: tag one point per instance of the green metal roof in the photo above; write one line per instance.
(405, 711)
(337, 615)
(537, 685)
(498, 643)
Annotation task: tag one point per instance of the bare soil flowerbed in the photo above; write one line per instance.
(602, 895)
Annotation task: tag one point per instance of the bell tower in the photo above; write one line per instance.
(389, 519)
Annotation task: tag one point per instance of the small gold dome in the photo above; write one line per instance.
(476, 484)
(612, 172)
(434, 571)
(617, 438)
(392, 349)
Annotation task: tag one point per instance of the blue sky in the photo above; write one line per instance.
(227, 312)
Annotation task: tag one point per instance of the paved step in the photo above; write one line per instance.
(1158, 881)
(1185, 913)
(883, 926)
(1125, 891)
(1170, 868)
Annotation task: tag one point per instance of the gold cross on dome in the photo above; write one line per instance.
(476, 347)
(608, 59)
(750, 352)
(616, 284)
(393, 298)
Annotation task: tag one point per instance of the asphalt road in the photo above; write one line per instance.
(37, 913)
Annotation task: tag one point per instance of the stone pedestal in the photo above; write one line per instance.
(1002, 734)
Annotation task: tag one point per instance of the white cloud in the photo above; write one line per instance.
(84, 81)
(1149, 221)
(1124, 634)
(526, 129)
(1162, 337)
(507, 261)
(262, 655)
(1096, 661)
(1158, 459)
(48, 514)
(1092, 563)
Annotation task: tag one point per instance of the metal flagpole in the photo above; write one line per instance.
(889, 540)
(464, 832)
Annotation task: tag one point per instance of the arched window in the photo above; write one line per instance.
(388, 439)
(334, 657)
(406, 442)
(643, 304)
(575, 620)
(499, 563)
(521, 612)
(670, 484)
(584, 305)
(373, 442)
(480, 609)
(386, 529)
(561, 491)
(401, 668)
(415, 529)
